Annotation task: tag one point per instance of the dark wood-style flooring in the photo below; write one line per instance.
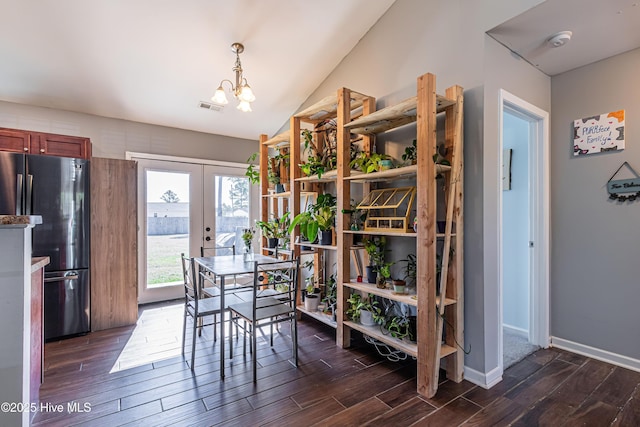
(137, 376)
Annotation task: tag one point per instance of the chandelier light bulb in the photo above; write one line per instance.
(246, 94)
(219, 97)
(244, 106)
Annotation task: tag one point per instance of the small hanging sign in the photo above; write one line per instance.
(624, 189)
(595, 134)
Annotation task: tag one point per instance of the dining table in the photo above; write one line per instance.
(221, 266)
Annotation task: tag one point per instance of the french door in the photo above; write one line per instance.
(182, 207)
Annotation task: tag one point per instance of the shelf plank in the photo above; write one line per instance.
(317, 246)
(329, 176)
(327, 319)
(328, 107)
(384, 293)
(389, 294)
(282, 251)
(374, 332)
(379, 233)
(278, 140)
(404, 172)
(287, 194)
(446, 350)
(393, 116)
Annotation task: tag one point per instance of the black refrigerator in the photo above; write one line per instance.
(56, 188)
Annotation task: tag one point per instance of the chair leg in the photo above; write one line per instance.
(294, 337)
(193, 342)
(215, 328)
(271, 332)
(231, 321)
(254, 356)
(184, 328)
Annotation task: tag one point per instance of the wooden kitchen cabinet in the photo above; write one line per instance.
(60, 145)
(27, 142)
(15, 141)
(114, 256)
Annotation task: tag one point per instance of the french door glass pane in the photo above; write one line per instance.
(167, 226)
(232, 209)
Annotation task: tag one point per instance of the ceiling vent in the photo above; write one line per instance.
(211, 106)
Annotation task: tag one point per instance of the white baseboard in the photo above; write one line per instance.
(516, 331)
(596, 353)
(487, 380)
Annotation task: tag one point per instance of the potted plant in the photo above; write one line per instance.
(318, 161)
(375, 249)
(312, 299)
(270, 230)
(247, 239)
(384, 274)
(364, 310)
(410, 269)
(331, 296)
(325, 218)
(372, 162)
(399, 285)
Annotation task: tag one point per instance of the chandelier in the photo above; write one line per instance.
(241, 90)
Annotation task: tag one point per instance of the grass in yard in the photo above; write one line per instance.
(163, 258)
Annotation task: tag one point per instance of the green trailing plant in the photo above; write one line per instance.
(384, 270)
(398, 327)
(252, 173)
(357, 303)
(331, 293)
(368, 163)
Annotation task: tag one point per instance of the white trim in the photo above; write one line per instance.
(596, 353)
(483, 380)
(521, 332)
(539, 267)
(131, 155)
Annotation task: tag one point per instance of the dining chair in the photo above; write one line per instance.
(196, 308)
(275, 285)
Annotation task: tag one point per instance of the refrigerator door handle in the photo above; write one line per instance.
(29, 196)
(58, 278)
(19, 184)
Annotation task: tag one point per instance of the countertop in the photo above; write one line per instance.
(39, 262)
(20, 220)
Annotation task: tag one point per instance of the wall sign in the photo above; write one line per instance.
(624, 189)
(596, 134)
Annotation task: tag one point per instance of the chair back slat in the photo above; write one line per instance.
(217, 250)
(190, 279)
(275, 284)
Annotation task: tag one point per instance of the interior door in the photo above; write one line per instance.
(228, 206)
(170, 223)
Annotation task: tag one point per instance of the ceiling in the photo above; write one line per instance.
(601, 29)
(153, 61)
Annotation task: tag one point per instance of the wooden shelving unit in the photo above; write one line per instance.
(355, 113)
(430, 351)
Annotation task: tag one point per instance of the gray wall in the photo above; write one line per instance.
(447, 39)
(595, 285)
(113, 137)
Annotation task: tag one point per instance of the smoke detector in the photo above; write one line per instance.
(559, 39)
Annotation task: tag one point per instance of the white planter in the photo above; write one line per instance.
(311, 302)
(366, 318)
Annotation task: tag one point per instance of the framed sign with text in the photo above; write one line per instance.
(595, 134)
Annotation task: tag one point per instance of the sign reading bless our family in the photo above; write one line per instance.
(596, 134)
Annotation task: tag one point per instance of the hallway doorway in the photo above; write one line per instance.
(524, 220)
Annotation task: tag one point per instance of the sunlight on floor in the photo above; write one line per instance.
(157, 336)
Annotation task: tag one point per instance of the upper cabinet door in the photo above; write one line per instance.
(15, 141)
(60, 145)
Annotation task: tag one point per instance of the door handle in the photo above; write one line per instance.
(19, 185)
(29, 195)
(58, 278)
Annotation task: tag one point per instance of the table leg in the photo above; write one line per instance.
(222, 328)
